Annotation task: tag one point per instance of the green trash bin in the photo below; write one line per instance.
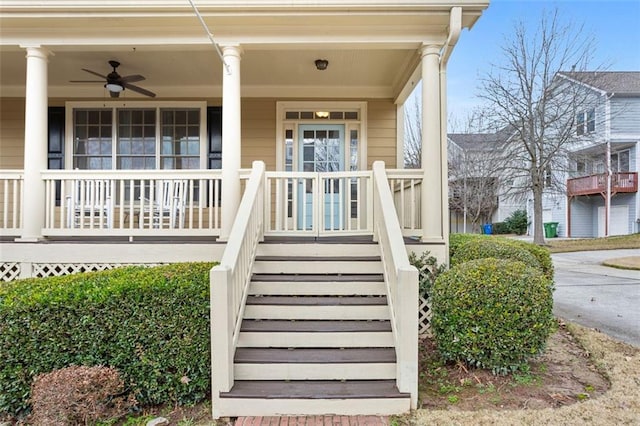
(551, 229)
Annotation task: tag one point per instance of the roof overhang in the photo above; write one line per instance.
(372, 46)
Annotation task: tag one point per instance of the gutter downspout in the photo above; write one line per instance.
(455, 28)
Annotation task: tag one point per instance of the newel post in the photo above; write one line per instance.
(221, 327)
(406, 310)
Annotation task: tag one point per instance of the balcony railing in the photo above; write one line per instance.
(597, 184)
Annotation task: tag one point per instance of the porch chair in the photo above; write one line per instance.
(89, 205)
(168, 207)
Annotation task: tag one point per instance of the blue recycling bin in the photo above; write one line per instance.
(487, 229)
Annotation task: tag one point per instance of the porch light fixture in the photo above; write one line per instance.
(114, 87)
(322, 64)
(322, 114)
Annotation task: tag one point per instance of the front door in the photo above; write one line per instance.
(321, 150)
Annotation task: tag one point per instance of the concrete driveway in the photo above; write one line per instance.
(597, 296)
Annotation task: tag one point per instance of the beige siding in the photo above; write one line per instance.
(381, 133)
(259, 132)
(11, 133)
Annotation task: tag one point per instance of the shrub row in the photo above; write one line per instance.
(152, 325)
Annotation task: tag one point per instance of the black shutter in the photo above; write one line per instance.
(55, 143)
(214, 132)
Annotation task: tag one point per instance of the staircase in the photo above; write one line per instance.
(315, 336)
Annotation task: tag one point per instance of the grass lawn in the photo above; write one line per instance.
(588, 244)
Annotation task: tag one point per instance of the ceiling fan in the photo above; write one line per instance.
(115, 83)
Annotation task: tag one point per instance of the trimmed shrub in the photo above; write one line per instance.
(457, 240)
(428, 270)
(492, 313)
(499, 248)
(517, 222)
(78, 395)
(151, 324)
(542, 254)
(501, 228)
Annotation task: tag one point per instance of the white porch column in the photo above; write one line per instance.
(35, 143)
(432, 197)
(231, 138)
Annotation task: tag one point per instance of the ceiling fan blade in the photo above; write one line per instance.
(132, 78)
(86, 81)
(94, 73)
(114, 94)
(139, 90)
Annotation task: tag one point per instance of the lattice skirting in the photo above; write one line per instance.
(10, 271)
(424, 317)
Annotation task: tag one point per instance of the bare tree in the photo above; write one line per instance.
(474, 176)
(526, 95)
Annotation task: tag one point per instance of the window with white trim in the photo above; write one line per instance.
(586, 122)
(137, 138)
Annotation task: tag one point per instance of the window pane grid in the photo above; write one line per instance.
(92, 139)
(180, 147)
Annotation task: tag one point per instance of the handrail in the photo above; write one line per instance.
(401, 279)
(229, 281)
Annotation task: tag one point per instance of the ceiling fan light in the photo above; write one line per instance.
(113, 87)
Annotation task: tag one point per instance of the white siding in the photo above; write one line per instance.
(625, 116)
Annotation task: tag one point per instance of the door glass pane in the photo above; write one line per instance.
(136, 139)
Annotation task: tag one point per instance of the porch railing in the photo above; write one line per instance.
(230, 280)
(406, 186)
(188, 202)
(11, 194)
(597, 184)
(140, 202)
(309, 203)
(401, 279)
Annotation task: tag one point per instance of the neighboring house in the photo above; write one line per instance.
(478, 188)
(269, 163)
(602, 178)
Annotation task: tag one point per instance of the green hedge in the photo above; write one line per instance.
(499, 248)
(492, 313)
(542, 254)
(151, 324)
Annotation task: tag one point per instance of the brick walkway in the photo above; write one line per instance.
(314, 421)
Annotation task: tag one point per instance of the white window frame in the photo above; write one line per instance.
(114, 106)
(283, 124)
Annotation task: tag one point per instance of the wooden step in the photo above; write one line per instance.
(234, 407)
(314, 249)
(317, 300)
(317, 288)
(315, 364)
(317, 312)
(317, 267)
(284, 339)
(315, 355)
(337, 326)
(318, 277)
(314, 389)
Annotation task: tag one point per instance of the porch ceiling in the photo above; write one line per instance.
(372, 46)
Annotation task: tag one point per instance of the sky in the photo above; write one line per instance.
(615, 25)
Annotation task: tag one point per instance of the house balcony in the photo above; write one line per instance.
(597, 184)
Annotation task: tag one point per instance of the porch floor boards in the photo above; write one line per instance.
(320, 326)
